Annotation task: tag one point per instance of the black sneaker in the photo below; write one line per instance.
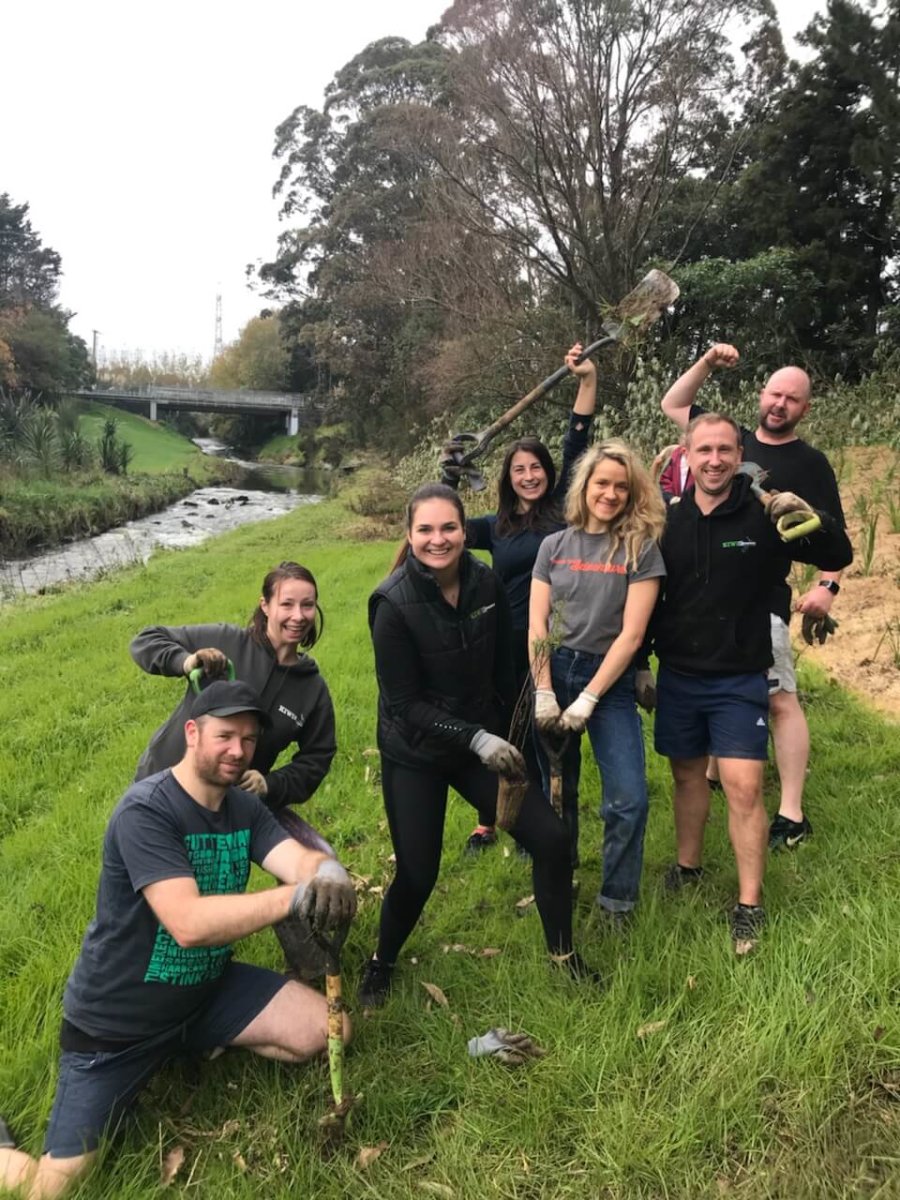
(677, 877)
(375, 985)
(747, 921)
(481, 837)
(786, 834)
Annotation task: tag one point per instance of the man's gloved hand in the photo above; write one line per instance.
(512, 1049)
(253, 781)
(546, 708)
(783, 503)
(645, 689)
(328, 900)
(211, 661)
(498, 755)
(817, 629)
(579, 711)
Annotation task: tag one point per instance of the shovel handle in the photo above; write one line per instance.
(796, 525)
(197, 674)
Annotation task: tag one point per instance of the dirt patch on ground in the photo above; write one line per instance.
(864, 654)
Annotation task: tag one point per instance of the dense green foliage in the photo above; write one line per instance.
(37, 351)
(773, 1077)
(459, 211)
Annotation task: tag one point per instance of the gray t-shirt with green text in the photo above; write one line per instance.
(132, 980)
(588, 590)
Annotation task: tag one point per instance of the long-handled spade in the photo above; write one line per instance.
(643, 306)
(333, 1122)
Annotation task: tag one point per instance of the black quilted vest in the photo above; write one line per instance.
(456, 648)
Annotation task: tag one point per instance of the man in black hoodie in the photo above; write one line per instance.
(712, 636)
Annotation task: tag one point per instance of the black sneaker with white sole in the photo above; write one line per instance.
(785, 834)
(677, 877)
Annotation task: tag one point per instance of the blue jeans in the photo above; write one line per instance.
(617, 741)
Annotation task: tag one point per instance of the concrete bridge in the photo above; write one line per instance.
(294, 405)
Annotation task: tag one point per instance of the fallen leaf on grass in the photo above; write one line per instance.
(691, 982)
(650, 1028)
(436, 1189)
(436, 994)
(239, 1161)
(523, 905)
(489, 952)
(172, 1164)
(878, 1032)
(457, 948)
(368, 1154)
(418, 1162)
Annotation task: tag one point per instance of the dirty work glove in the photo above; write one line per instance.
(579, 711)
(212, 662)
(817, 629)
(253, 781)
(451, 472)
(328, 900)
(783, 503)
(546, 708)
(512, 1049)
(645, 689)
(498, 755)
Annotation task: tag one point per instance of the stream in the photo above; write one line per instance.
(262, 491)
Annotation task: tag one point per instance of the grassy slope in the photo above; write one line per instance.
(156, 447)
(771, 1077)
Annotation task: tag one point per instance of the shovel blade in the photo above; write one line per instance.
(643, 305)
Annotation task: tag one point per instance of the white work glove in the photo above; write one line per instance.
(579, 711)
(645, 689)
(211, 661)
(512, 1049)
(498, 755)
(328, 900)
(546, 708)
(783, 503)
(253, 781)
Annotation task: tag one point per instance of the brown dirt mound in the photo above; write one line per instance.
(864, 654)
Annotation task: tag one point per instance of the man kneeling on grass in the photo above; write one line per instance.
(154, 978)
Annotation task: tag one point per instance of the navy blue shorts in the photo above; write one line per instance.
(96, 1089)
(724, 715)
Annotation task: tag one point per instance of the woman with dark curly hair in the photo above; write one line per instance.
(530, 506)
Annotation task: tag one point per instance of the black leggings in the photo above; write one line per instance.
(416, 800)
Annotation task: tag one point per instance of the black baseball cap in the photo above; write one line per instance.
(226, 697)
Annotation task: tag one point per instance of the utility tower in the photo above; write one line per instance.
(217, 346)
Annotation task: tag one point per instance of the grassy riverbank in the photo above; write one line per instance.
(37, 512)
(691, 1075)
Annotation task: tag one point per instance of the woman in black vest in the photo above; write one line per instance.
(441, 631)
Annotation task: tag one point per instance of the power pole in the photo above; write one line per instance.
(217, 345)
(94, 351)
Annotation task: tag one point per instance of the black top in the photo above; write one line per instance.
(443, 673)
(713, 614)
(791, 467)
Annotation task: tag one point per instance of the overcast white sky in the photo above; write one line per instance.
(141, 137)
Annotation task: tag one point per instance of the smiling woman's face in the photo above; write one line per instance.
(436, 535)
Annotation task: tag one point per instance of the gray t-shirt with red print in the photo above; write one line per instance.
(588, 590)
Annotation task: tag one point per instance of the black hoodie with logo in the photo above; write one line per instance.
(296, 698)
(713, 614)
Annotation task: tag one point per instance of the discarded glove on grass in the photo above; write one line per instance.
(512, 1049)
(817, 629)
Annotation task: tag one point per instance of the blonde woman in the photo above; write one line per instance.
(593, 590)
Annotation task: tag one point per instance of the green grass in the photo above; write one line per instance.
(156, 447)
(778, 1076)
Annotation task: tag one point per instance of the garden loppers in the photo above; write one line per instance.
(640, 309)
(332, 1124)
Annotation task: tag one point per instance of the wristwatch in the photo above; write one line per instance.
(831, 585)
